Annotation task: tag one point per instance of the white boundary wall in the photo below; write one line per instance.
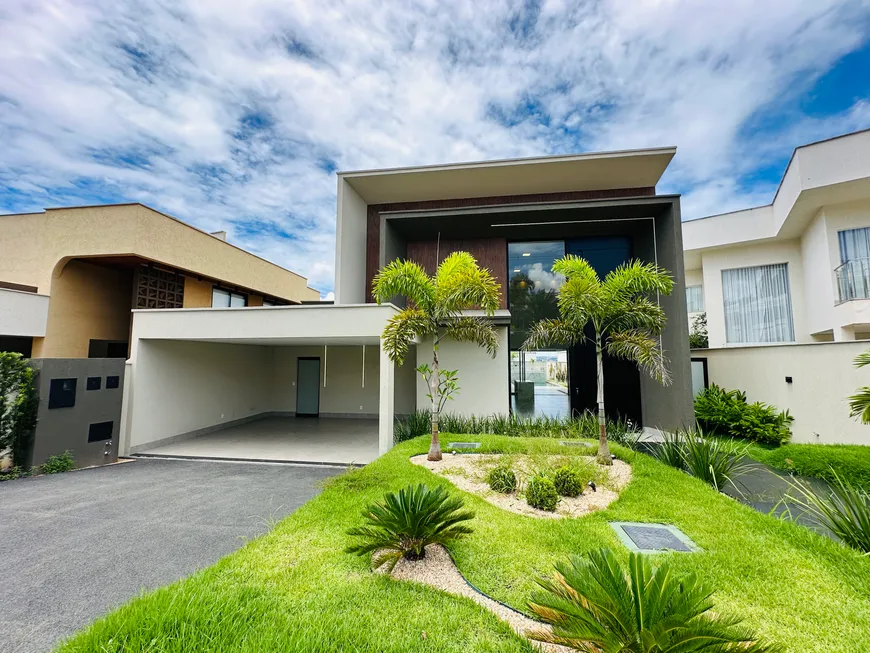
(823, 378)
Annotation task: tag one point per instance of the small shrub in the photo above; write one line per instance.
(402, 525)
(710, 460)
(502, 479)
(597, 604)
(845, 511)
(726, 412)
(698, 338)
(541, 493)
(57, 464)
(670, 451)
(14, 473)
(414, 425)
(568, 481)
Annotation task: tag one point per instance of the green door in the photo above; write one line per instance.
(308, 387)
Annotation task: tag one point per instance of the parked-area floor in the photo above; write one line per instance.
(77, 545)
(342, 441)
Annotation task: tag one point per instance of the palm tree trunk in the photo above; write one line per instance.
(603, 450)
(434, 387)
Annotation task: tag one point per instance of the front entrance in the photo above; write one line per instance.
(307, 387)
(562, 381)
(621, 378)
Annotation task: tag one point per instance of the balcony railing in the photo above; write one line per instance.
(853, 279)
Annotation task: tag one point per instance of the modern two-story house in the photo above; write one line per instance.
(777, 280)
(238, 383)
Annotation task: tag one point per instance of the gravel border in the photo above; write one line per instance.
(467, 471)
(438, 570)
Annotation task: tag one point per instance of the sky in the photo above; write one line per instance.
(236, 115)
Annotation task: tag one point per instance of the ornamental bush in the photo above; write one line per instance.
(568, 481)
(502, 479)
(727, 413)
(541, 493)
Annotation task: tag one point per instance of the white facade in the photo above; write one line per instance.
(23, 314)
(793, 248)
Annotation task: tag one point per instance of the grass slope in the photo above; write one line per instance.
(294, 589)
(851, 461)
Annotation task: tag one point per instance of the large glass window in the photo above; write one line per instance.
(221, 298)
(539, 379)
(695, 299)
(532, 285)
(757, 304)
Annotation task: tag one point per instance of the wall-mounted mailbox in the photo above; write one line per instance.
(100, 431)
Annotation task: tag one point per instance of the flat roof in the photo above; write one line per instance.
(524, 176)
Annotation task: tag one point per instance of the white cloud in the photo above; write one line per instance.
(233, 116)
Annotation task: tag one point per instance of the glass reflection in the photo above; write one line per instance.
(532, 286)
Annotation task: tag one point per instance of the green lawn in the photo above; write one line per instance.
(851, 461)
(295, 590)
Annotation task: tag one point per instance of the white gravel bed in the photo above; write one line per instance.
(468, 472)
(438, 570)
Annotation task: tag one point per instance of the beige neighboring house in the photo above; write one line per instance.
(70, 277)
(786, 290)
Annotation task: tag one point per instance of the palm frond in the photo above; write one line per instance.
(638, 278)
(580, 299)
(401, 331)
(862, 359)
(859, 404)
(474, 329)
(552, 333)
(461, 284)
(405, 279)
(637, 314)
(641, 348)
(575, 267)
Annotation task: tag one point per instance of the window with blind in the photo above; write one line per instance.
(221, 298)
(695, 299)
(757, 304)
(854, 244)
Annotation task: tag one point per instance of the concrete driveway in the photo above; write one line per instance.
(74, 546)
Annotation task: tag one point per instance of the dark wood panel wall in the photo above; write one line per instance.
(491, 253)
(485, 247)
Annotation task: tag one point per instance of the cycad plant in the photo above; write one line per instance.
(596, 606)
(859, 403)
(402, 525)
(435, 310)
(845, 511)
(626, 321)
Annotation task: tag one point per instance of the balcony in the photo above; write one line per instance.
(853, 279)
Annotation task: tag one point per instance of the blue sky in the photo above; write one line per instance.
(236, 117)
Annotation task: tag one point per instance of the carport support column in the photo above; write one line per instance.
(386, 403)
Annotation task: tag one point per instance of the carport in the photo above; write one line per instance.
(306, 384)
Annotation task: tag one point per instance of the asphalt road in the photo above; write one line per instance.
(74, 546)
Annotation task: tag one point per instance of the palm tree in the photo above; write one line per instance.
(596, 606)
(435, 310)
(859, 403)
(625, 320)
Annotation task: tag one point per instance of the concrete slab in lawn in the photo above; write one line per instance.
(76, 545)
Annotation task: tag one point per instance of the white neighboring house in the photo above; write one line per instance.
(786, 290)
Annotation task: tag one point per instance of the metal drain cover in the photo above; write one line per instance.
(463, 445)
(653, 538)
(574, 443)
